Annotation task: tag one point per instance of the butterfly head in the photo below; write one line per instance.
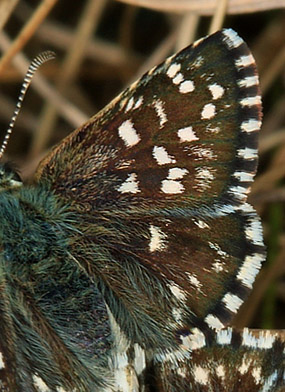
(9, 178)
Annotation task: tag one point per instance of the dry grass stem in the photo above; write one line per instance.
(219, 16)
(87, 24)
(27, 32)
(206, 7)
(6, 9)
(187, 30)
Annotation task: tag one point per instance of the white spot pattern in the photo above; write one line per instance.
(173, 70)
(216, 90)
(270, 382)
(249, 81)
(220, 371)
(161, 156)
(263, 341)
(232, 302)
(250, 125)
(176, 173)
(159, 108)
(128, 133)
(157, 239)
(232, 39)
(187, 134)
(40, 384)
(250, 269)
(256, 372)
(208, 112)
(130, 185)
(178, 78)
(251, 101)
(245, 61)
(224, 336)
(214, 322)
(247, 153)
(171, 185)
(194, 281)
(204, 177)
(177, 292)
(201, 375)
(186, 87)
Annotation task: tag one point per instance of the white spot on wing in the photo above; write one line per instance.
(173, 69)
(178, 78)
(208, 112)
(139, 361)
(130, 104)
(195, 340)
(202, 153)
(204, 177)
(224, 336)
(194, 281)
(161, 156)
(186, 87)
(217, 91)
(187, 134)
(271, 380)
(256, 373)
(250, 125)
(138, 103)
(130, 185)
(159, 108)
(177, 292)
(176, 173)
(172, 186)
(232, 39)
(246, 362)
(201, 375)
(40, 384)
(249, 81)
(253, 231)
(245, 61)
(251, 101)
(250, 269)
(125, 378)
(128, 133)
(264, 341)
(220, 371)
(232, 302)
(247, 153)
(218, 266)
(243, 176)
(214, 322)
(157, 239)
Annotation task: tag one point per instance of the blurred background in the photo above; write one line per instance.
(102, 46)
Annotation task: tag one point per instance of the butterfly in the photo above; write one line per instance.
(124, 261)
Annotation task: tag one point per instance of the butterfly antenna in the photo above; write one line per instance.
(34, 66)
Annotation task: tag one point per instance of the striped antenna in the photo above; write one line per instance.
(35, 64)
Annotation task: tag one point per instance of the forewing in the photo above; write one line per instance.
(159, 180)
(184, 135)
